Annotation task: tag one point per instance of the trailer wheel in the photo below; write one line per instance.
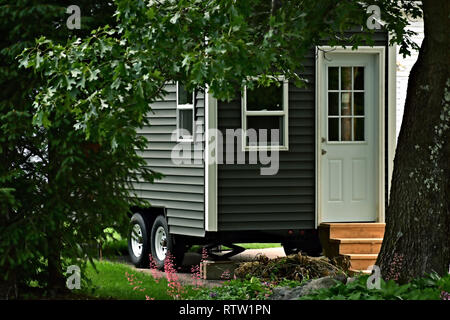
(162, 243)
(138, 244)
(293, 247)
(290, 248)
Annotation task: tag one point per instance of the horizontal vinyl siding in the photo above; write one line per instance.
(181, 190)
(250, 201)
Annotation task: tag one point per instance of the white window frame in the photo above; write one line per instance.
(284, 113)
(189, 106)
(339, 116)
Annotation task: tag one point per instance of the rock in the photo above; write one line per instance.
(316, 284)
(287, 293)
(351, 279)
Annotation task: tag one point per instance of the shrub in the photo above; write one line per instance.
(251, 288)
(430, 287)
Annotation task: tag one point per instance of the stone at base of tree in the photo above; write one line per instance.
(287, 293)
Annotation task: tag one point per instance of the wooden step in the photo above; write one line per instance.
(356, 245)
(354, 230)
(361, 261)
(354, 272)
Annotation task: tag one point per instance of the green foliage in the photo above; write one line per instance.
(109, 281)
(430, 287)
(114, 244)
(251, 289)
(58, 188)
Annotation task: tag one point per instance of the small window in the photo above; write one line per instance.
(185, 114)
(345, 99)
(265, 116)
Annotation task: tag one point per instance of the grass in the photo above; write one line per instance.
(111, 283)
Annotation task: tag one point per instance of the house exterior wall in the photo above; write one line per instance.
(181, 190)
(404, 66)
(250, 201)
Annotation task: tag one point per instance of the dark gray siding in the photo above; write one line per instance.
(250, 201)
(181, 191)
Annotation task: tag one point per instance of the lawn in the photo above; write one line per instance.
(110, 282)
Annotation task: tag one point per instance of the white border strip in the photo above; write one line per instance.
(210, 163)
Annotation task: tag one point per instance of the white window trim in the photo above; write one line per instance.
(189, 106)
(284, 112)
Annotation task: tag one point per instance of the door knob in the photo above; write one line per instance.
(324, 140)
(324, 151)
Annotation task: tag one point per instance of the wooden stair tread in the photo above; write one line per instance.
(361, 256)
(354, 271)
(353, 224)
(357, 240)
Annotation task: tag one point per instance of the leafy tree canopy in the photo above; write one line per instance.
(116, 72)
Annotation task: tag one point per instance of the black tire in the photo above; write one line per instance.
(310, 249)
(290, 248)
(176, 250)
(139, 260)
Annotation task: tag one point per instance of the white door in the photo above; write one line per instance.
(349, 138)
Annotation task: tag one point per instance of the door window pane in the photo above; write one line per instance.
(346, 78)
(333, 129)
(333, 104)
(333, 78)
(358, 76)
(346, 129)
(346, 104)
(359, 129)
(359, 104)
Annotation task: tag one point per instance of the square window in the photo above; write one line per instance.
(265, 116)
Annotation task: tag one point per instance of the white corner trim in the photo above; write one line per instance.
(392, 110)
(380, 51)
(318, 60)
(210, 162)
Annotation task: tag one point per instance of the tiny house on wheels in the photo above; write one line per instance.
(307, 167)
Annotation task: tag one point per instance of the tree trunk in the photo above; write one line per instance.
(417, 237)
